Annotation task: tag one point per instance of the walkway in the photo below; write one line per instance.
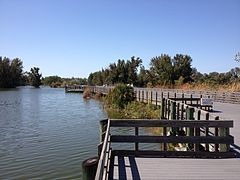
(175, 168)
(130, 167)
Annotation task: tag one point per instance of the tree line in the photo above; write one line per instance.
(12, 75)
(164, 70)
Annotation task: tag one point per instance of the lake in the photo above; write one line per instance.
(46, 133)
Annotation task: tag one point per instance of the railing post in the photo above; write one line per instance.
(197, 131)
(190, 116)
(162, 109)
(216, 134)
(224, 147)
(139, 95)
(136, 143)
(151, 98)
(156, 98)
(146, 96)
(207, 132)
(103, 128)
(173, 115)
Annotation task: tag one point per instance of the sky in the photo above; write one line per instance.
(72, 38)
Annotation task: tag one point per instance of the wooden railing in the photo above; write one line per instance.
(226, 97)
(104, 150)
(194, 139)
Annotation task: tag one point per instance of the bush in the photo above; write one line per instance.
(120, 96)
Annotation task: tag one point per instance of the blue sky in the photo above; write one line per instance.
(75, 37)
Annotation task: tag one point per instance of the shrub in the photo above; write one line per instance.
(120, 96)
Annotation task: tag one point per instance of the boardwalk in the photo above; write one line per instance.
(230, 111)
(175, 168)
(219, 158)
(130, 167)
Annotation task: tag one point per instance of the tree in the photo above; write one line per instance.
(10, 72)
(161, 70)
(120, 96)
(35, 77)
(182, 67)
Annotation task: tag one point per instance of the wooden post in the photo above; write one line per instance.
(146, 96)
(197, 131)
(162, 110)
(165, 108)
(216, 134)
(139, 96)
(178, 111)
(142, 95)
(207, 132)
(103, 128)
(190, 116)
(136, 143)
(156, 98)
(89, 168)
(191, 99)
(168, 107)
(224, 147)
(173, 115)
(182, 112)
(151, 98)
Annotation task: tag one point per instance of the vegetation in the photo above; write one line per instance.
(121, 72)
(166, 72)
(35, 77)
(120, 103)
(120, 96)
(10, 72)
(56, 81)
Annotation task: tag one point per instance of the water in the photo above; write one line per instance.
(46, 134)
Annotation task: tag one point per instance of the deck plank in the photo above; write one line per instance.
(175, 168)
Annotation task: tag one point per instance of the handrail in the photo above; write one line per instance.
(102, 160)
(191, 136)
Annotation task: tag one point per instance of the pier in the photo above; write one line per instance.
(197, 139)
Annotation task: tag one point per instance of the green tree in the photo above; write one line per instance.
(161, 70)
(35, 77)
(10, 72)
(182, 67)
(120, 96)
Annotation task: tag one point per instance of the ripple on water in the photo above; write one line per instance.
(47, 134)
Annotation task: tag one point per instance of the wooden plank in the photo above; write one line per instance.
(177, 168)
(198, 154)
(185, 99)
(172, 139)
(167, 123)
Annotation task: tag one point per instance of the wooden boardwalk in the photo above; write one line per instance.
(220, 158)
(137, 168)
(230, 111)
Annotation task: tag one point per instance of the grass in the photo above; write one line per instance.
(135, 110)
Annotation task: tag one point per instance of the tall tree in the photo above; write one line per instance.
(182, 67)
(10, 72)
(35, 77)
(161, 70)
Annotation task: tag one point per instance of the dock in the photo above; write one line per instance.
(75, 88)
(211, 136)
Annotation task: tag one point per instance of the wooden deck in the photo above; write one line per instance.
(174, 168)
(212, 163)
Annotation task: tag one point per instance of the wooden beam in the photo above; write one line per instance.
(172, 139)
(178, 154)
(172, 123)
